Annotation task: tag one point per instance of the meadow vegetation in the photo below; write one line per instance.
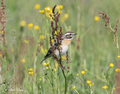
(92, 64)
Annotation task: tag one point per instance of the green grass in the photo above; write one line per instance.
(96, 51)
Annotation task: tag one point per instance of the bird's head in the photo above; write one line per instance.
(69, 35)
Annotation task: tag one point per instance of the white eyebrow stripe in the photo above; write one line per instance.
(68, 33)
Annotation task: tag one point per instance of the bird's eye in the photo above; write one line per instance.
(70, 34)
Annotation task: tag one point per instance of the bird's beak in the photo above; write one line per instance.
(75, 33)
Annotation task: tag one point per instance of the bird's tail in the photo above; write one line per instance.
(42, 60)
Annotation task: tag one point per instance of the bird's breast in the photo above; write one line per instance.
(63, 50)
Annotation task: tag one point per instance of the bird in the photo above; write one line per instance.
(65, 42)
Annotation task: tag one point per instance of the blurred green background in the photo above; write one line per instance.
(96, 51)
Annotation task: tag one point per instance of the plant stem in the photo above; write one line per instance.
(76, 91)
(64, 77)
(34, 88)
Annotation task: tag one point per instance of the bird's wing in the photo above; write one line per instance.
(49, 53)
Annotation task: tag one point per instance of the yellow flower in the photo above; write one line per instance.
(52, 40)
(63, 57)
(36, 27)
(46, 50)
(47, 15)
(111, 65)
(48, 64)
(117, 70)
(82, 72)
(105, 87)
(12, 50)
(59, 7)
(92, 83)
(54, 69)
(0, 55)
(55, 33)
(31, 69)
(56, 65)
(66, 16)
(51, 19)
(42, 11)
(113, 88)
(1, 32)
(22, 23)
(45, 64)
(73, 87)
(31, 73)
(48, 9)
(30, 25)
(25, 41)
(88, 82)
(42, 50)
(59, 30)
(23, 60)
(118, 56)
(47, 67)
(77, 74)
(42, 37)
(40, 79)
(96, 18)
(37, 6)
(59, 12)
(85, 69)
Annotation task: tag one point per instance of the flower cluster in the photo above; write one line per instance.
(105, 87)
(40, 78)
(30, 71)
(56, 36)
(108, 25)
(25, 41)
(64, 17)
(3, 20)
(30, 25)
(49, 13)
(106, 18)
(47, 65)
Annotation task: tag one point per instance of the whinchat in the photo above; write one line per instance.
(66, 40)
